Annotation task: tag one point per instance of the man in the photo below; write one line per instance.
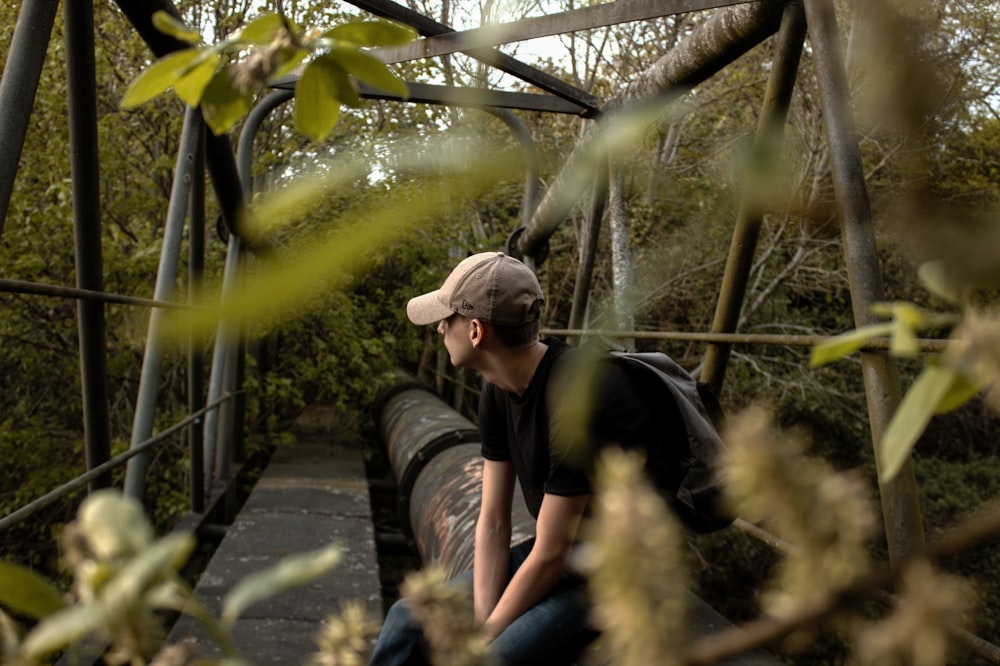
(531, 605)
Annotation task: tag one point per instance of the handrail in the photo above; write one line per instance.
(28, 510)
(923, 344)
(58, 291)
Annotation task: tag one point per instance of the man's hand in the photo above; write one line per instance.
(558, 520)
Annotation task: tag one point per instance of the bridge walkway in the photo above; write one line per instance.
(311, 494)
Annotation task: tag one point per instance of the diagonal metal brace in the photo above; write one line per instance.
(505, 63)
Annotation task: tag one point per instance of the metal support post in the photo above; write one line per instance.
(225, 372)
(82, 95)
(166, 278)
(900, 504)
(767, 145)
(622, 269)
(18, 86)
(238, 436)
(225, 340)
(230, 418)
(196, 354)
(588, 251)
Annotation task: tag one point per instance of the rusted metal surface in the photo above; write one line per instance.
(444, 506)
(900, 498)
(416, 425)
(767, 145)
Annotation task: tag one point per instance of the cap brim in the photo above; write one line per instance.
(427, 309)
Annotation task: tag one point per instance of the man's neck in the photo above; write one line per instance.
(513, 369)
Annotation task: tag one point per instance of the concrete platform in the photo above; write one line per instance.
(311, 494)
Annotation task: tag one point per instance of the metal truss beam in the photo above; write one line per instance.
(424, 93)
(505, 63)
(585, 18)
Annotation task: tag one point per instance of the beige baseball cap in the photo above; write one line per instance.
(489, 286)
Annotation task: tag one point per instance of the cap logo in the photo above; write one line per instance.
(467, 306)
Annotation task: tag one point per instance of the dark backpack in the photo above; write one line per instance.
(698, 500)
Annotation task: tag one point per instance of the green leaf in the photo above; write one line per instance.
(175, 596)
(883, 310)
(287, 60)
(10, 635)
(60, 630)
(338, 80)
(845, 344)
(937, 279)
(222, 104)
(291, 571)
(262, 30)
(904, 338)
(372, 33)
(151, 565)
(25, 592)
(318, 96)
(963, 388)
(158, 77)
(928, 393)
(370, 70)
(191, 86)
(174, 27)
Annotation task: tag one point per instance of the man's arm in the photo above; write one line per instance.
(493, 530)
(558, 520)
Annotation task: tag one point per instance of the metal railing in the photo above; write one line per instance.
(28, 510)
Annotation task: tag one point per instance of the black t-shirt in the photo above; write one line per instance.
(552, 432)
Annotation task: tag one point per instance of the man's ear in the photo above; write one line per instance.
(476, 332)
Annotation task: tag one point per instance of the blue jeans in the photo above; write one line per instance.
(553, 632)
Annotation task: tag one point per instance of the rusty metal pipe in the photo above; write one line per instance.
(442, 503)
(434, 453)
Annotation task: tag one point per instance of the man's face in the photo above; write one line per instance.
(455, 331)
